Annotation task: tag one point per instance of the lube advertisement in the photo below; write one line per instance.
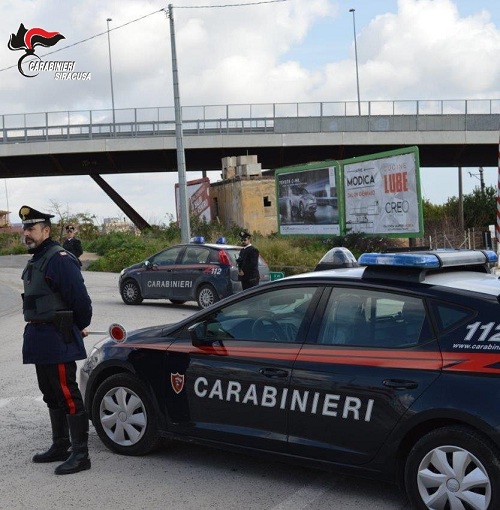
(382, 194)
(378, 194)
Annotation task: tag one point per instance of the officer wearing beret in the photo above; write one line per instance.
(248, 263)
(57, 310)
(72, 243)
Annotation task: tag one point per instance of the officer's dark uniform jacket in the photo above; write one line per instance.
(248, 262)
(74, 246)
(52, 282)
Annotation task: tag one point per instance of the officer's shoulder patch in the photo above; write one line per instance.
(62, 253)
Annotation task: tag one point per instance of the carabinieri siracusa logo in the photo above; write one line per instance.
(30, 64)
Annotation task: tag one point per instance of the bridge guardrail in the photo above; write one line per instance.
(376, 116)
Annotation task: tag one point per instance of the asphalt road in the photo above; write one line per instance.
(180, 476)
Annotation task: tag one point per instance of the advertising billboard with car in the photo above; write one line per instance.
(307, 199)
(377, 194)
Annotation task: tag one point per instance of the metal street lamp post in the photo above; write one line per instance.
(356, 56)
(111, 78)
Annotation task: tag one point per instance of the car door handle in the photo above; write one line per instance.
(273, 372)
(400, 384)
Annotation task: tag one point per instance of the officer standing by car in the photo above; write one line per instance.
(72, 243)
(248, 262)
(57, 309)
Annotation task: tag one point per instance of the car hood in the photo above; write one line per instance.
(133, 266)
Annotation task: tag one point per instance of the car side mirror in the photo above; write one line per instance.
(198, 334)
(147, 264)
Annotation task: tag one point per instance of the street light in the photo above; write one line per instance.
(356, 56)
(480, 177)
(111, 77)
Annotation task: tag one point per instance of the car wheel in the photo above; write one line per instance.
(131, 293)
(177, 301)
(453, 467)
(206, 296)
(124, 416)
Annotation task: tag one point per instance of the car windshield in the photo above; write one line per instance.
(299, 190)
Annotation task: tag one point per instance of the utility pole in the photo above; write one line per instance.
(181, 160)
(497, 225)
(481, 178)
(111, 79)
(356, 56)
(460, 200)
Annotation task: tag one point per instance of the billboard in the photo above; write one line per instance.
(378, 194)
(382, 194)
(307, 199)
(198, 194)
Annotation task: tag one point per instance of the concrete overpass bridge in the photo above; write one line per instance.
(98, 142)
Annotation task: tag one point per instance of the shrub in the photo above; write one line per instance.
(281, 255)
(291, 255)
(11, 244)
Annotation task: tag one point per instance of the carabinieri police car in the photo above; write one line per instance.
(197, 271)
(389, 370)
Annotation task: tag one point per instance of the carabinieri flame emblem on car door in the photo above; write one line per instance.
(177, 382)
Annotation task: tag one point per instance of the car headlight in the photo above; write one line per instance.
(92, 360)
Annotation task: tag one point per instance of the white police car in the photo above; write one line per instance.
(389, 370)
(198, 271)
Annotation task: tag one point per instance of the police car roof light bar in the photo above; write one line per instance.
(429, 260)
(422, 260)
(197, 240)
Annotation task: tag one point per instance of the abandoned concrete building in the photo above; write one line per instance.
(245, 197)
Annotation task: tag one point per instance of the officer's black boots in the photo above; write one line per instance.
(60, 438)
(79, 458)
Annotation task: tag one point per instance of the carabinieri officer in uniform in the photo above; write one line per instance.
(57, 309)
(248, 263)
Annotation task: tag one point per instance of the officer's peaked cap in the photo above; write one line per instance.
(30, 216)
(244, 235)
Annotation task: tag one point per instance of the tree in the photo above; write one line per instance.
(480, 207)
(434, 216)
(87, 229)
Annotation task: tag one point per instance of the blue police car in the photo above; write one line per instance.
(390, 370)
(198, 271)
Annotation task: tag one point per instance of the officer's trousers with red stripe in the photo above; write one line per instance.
(59, 388)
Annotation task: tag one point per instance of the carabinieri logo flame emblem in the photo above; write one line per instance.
(28, 40)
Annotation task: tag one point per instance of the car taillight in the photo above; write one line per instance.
(224, 258)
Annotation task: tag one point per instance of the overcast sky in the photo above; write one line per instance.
(288, 51)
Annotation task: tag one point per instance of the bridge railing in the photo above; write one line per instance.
(404, 115)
